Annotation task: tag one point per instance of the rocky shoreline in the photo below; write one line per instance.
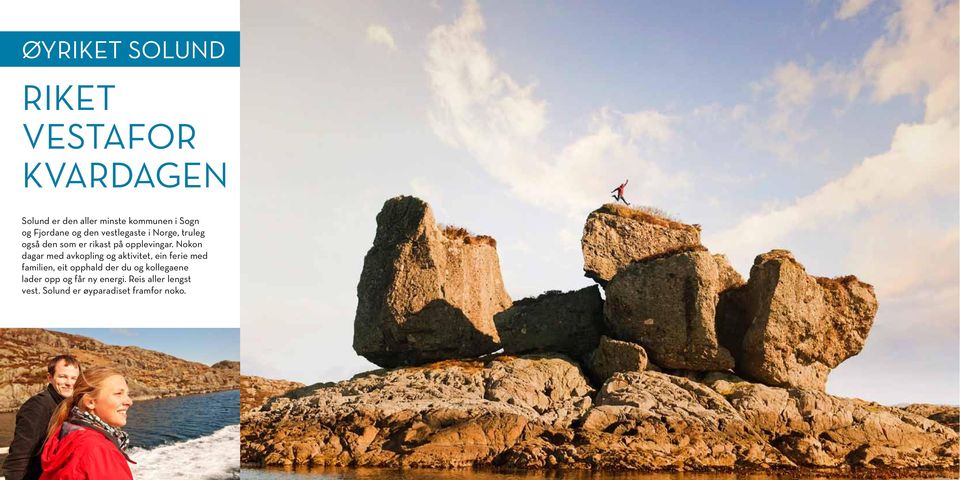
(151, 397)
(495, 473)
(181, 394)
(682, 365)
(150, 375)
(539, 412)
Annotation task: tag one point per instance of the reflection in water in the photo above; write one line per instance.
(426, 474)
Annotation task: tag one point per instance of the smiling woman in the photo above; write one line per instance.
(84, 439)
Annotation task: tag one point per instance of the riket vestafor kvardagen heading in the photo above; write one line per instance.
(54, 136)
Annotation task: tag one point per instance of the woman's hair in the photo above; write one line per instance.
(88, 383)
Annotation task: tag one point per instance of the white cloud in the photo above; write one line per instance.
(380, 35)
(933, 253)
(922, 160)
(918, 55)
(481, 109)
(794, 85)
(851, 8)
(651, 124)
(783, 101)
(909, 257)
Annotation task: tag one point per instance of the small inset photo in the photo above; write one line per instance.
(119, 404)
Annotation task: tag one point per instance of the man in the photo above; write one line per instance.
(23, 461)
(618, 192)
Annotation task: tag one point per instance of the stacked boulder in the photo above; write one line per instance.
(569, 323)
(426, 293)
(789, 329)
(683, 365)
(692, 312)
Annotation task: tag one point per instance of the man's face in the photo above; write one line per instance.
(63, 378)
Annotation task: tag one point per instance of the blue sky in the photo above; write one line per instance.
(204, 345)
(825, 127)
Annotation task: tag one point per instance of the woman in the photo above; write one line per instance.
(84, 440)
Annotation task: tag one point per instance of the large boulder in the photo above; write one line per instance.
(814, 429)
(615, 356)
(426, 293)
(788, 328)
(570, 323)
(668, 305)
(615, 236)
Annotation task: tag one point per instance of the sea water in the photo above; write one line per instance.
(424, 474)
(211, 457)
(192, 437)
(195, 437)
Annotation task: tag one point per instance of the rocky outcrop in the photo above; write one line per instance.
(255, 391)
(23, 366)
(814, 429)
(795, 327)
(668, 305)
(229, 365)
(448, 414)
(538, 412)
(615, 356)
(615, 236)
(946, 415)
(659, 421)
(426, 293)
(569, 323)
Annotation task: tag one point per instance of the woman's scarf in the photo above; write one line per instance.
(90, 420)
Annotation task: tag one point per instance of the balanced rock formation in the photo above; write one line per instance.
(616, 236)
(614, 356)
(814, 429)
(426, 293)
(795, 327)
(255, 391)
(569, 323)
(23, 366)
(429, 293)
(668, 305)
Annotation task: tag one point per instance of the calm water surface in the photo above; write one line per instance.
(168, 420)
(422, 474)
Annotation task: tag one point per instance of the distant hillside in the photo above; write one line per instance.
(150, 374)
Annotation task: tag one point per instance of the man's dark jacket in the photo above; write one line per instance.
(23, 462)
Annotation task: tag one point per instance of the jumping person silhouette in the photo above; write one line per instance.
(618, 192)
